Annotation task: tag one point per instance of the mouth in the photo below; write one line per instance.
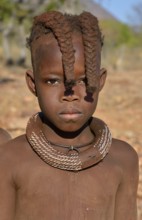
(70, 114)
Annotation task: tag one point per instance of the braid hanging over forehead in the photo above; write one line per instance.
(92, 48)
(63, 26)
(56, 23)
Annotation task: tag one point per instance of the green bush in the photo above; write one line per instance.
(117, 34)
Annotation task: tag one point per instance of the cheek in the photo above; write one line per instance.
(91, 108)
(94, 103)
(91, 100)
(47, 98)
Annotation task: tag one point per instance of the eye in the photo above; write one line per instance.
(82, 81)
(53, 81)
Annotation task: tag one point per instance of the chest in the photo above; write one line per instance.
(70, 194)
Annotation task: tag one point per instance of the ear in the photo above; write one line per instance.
(31, 81)
(103, 75)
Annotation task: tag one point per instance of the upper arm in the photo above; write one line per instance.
(7, 191)
(126, 196)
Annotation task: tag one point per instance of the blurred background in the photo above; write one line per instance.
(120, 104)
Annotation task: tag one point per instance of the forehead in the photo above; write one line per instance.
(46, 47)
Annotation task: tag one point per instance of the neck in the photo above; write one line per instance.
(54, 134)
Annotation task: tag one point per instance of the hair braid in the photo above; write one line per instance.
(92, 48)
(55, 22)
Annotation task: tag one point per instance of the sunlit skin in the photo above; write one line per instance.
(30, 189)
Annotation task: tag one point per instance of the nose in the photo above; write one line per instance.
(70, 95)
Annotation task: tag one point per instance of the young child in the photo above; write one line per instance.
(4, 136)
(67, 166)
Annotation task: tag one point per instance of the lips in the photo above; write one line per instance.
(70, 114)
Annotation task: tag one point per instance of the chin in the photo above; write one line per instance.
(71, 127)
(66, 125)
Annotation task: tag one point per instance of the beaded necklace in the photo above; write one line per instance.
(73, 160)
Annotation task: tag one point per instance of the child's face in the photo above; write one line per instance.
(66, 110)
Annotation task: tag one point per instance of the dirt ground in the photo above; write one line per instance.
(120, 106)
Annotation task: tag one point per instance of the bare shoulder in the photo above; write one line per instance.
(4, 136)
(13, 151)
(14, 143)
(124, 154)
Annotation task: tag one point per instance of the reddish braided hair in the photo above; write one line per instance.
(92, 48)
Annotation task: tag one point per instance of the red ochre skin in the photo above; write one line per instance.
(30, 188)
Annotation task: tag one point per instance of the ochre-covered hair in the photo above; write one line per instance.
(62, 26)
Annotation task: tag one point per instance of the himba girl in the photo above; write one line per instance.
(67, 166)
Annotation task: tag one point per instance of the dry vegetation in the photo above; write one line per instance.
(120, 106)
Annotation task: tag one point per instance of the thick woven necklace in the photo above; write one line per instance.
(73, 159)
